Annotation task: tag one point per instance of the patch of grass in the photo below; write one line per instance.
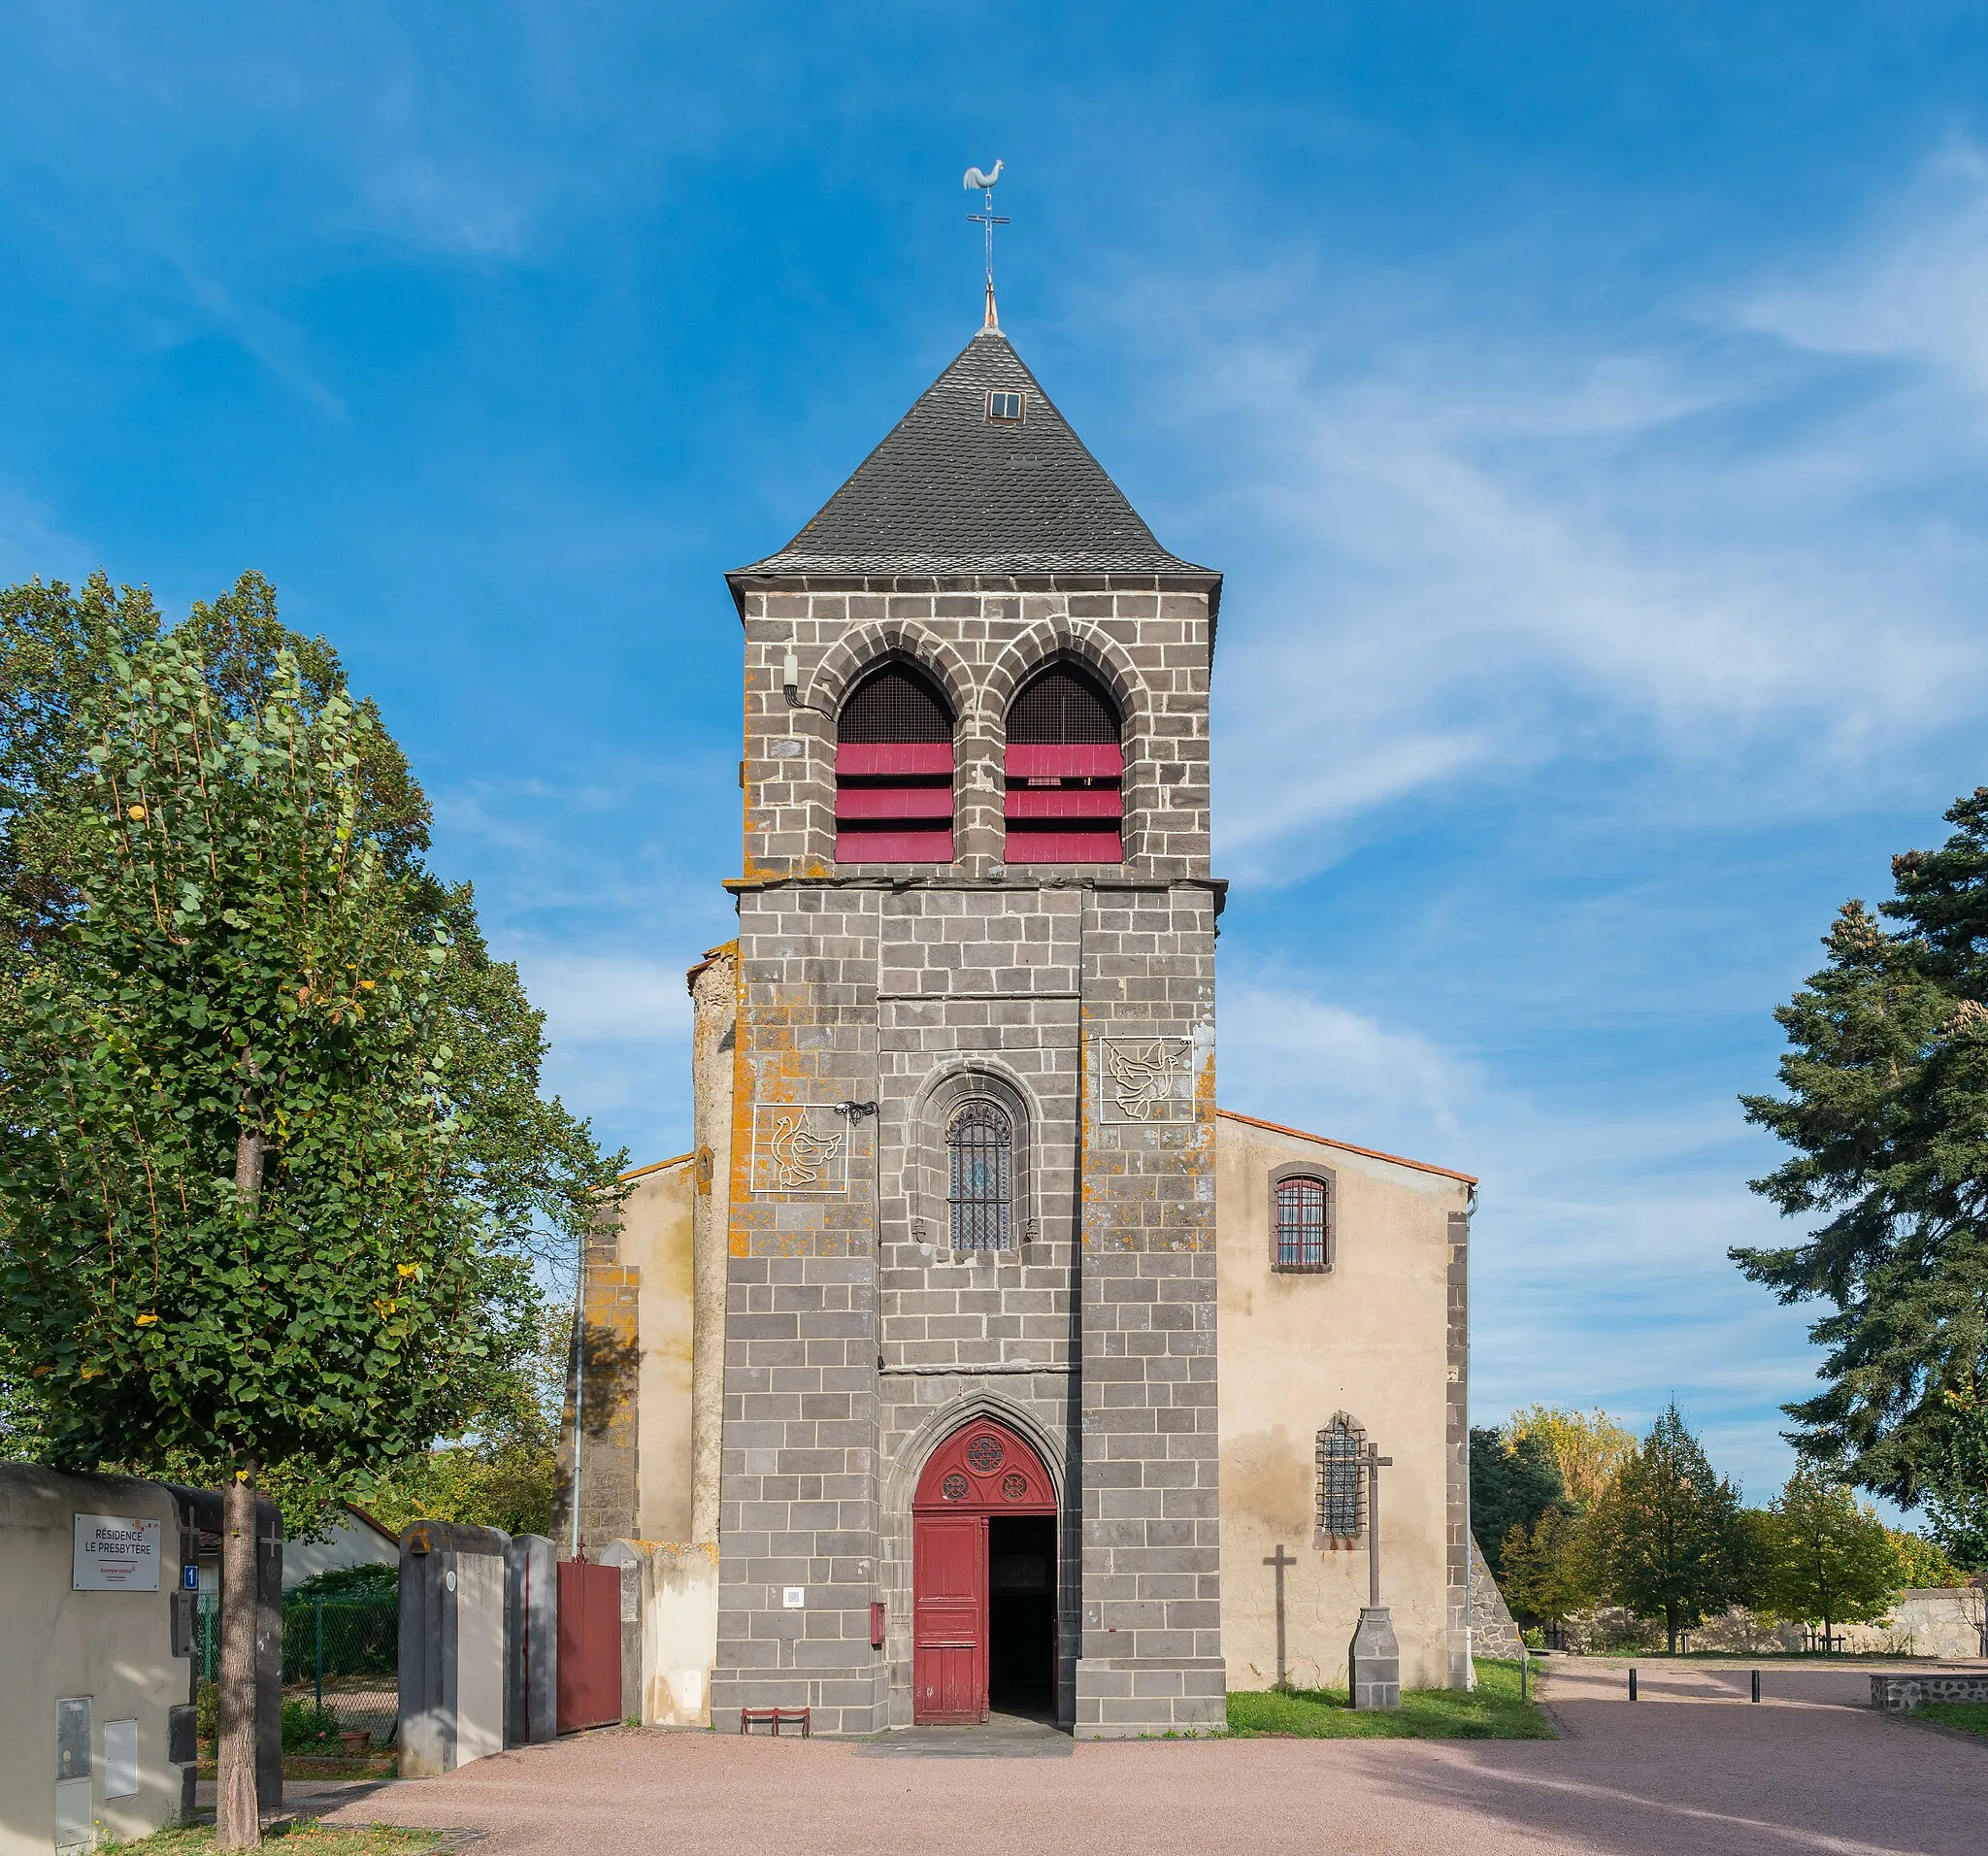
(376, 1765)
(1492, 1711)
(301, 1836)
(1970, 1717)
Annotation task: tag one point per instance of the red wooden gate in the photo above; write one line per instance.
(981, 1469)
(589, 1645)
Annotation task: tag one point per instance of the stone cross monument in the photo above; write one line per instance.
(1373, 1675)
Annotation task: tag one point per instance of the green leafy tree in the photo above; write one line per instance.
(1513, 1481)
(1886, 1106)
(1923, 1563)
(506, 1474)
(273, 1157)
(1587, 1447)
(1547, 1574)
(1825, 1558)
(1665, 1539)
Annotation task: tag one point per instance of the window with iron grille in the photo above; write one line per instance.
(1304, 1224)
(893, 771)
(1065, 770)
(1341, 1482)
(980, 1149)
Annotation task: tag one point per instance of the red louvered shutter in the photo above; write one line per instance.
(1065, 803)
(1065, 772)
(893, 773)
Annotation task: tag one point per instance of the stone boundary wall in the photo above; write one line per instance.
(1493, 1632)
(1894, 1693)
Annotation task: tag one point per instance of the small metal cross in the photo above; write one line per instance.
(990, 220)
(1281, 1561)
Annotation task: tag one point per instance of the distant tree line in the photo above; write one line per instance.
(1574, 1513)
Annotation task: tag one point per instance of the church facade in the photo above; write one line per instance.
(987, 1362)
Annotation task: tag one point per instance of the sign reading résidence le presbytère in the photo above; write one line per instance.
(115, 1553)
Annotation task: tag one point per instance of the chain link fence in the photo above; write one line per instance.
(341, 1670)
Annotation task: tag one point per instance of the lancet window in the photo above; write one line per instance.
(1341, 1482)
(893, 771)
(980, 1158)
(1065, 770)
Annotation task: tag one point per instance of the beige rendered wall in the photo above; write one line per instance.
(679, 1626)
(655, 1240)
(55, 1643)
(1370, 1338)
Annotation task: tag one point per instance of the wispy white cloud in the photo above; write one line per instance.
(1293, 1055)
(608, 998)
(1908, 287)
(1599, 1251)
(1718, 536)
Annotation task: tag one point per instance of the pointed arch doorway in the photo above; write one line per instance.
(983, 1578)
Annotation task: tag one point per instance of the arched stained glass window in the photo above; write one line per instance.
(981, 1152)
(1342, 1480)
(1304, 1213)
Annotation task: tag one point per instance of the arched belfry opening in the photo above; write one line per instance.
(983, 1580)
(1065, 770)
(893, 769)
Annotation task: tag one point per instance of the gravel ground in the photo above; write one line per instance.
(1692, 1767)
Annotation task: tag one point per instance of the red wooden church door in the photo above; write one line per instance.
(981, 1471)
(950, 1617)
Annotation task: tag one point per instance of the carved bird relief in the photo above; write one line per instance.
(1144, 1077)
(800, 1156)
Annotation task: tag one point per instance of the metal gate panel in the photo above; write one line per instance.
(589, 1645)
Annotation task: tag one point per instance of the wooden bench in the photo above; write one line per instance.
(775, 1718)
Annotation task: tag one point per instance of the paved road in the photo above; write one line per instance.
(1691, 1768)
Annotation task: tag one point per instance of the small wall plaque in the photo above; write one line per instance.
(115, 1553)
(793, 1598)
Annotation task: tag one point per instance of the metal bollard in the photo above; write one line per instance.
(1756, 1685)
(1632, 1685)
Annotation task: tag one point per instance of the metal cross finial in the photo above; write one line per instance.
(984, 181)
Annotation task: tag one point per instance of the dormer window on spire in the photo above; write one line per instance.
(1004, 408)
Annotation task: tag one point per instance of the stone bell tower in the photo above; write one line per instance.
(972, 1139)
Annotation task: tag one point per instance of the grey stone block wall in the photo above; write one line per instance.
(1460, 1573)
(855, 1341)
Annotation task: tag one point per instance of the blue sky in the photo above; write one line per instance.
(1587, 405)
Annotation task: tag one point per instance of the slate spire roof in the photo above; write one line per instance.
(950, 490)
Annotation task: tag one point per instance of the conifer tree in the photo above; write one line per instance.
(1666, 1537)
(1887, 1111)
(1513, 1481)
